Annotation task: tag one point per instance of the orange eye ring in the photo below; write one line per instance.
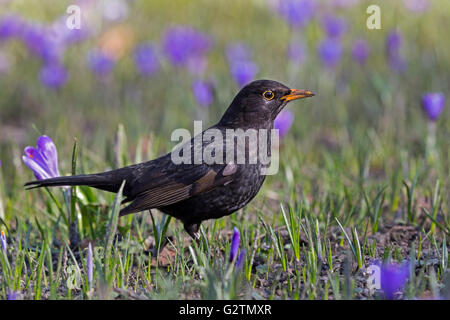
(268, 95)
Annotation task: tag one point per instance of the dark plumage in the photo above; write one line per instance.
(193, 193)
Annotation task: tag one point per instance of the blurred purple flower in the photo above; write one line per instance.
(100, 63)
(334, 26)
(240, 260)
(89, 266)
(53, 75)
(397, 62)
(183, 43)
(11, 295)
(202, 93)
(63, 36)
(296, 52)
(146, 59)
(393, 278)
(10, 26)
(330, 52)
(283, 122)
(3, 241)
(297, 12)
(242, 68)
(243, 72)
(39, 43)
(42, 160)
(234, 244)
(394, 42)
(417, 6)
(433, 104)
(360, 51)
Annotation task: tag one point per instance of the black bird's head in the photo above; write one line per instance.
(258, 104)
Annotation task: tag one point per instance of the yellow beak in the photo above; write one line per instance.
(297, 94)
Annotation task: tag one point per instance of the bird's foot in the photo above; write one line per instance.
(192, 230)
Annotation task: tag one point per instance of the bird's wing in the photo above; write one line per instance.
(179, 183)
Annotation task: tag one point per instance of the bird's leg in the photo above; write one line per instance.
(192, 229)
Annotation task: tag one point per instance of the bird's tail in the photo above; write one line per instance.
(108, 181)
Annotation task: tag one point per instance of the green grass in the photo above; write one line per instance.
(357, 182)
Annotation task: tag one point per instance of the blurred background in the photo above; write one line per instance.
(154, 66)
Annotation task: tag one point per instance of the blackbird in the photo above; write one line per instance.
(194, 192)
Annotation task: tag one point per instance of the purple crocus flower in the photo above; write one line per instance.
(360, 51)
(53, 75)
(182, 44)
(100, 63)
(297, 12)
(243, 72)
(240, 260)
(11, 26)
(393, 278)
(39, 43)
(394, 42)
(42, 160)
(296, 52)
(89, 266)
(283, 122)
(330, 52)
(202, 93)
(242, 68)
(146, 59)
(3, 241)
(334, 26)
(234, 244)
(433, 104)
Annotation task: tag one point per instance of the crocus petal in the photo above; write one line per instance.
(283, 122)
(202, 93)
(240, 260)
(36, 156)
(360, 51)
(53, 75)
(334, 26)
(49, 154)
(38, 171)
(433, 104)
(393, 278)
(100, 63)
(146, 59)
(3, 241)
(330, 52)
(181, 43)
(242, 68)
(234, 244)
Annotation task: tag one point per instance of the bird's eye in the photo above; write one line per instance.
(268, 95)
